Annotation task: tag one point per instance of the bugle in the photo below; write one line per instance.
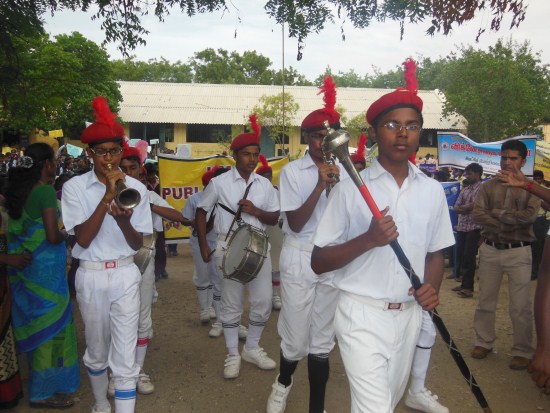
(125, 197)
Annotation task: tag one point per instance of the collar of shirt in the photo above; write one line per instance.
(376, 170)
(237, 176)
(92, 179)
(306, 162)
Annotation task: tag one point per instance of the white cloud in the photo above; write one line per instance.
(179, 37)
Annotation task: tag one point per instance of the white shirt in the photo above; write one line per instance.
(156, 199)
(228, 189)
(189, 212)
(296, 183)
(420, 211)
(81, 195)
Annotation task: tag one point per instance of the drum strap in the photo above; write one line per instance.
(237, 214)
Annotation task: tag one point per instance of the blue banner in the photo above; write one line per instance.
(457, 150)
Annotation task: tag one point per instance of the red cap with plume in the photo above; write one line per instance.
(249, 138)
(314, 121)
(130, 152)
(265, 168)
(105, 128)
(359, 156)
(208, 175)
(400, 98)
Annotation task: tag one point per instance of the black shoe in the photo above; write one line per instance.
(164, 274)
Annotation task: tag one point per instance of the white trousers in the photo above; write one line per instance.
(205, 272)
(306, 321)
(259, 293)
(377, 348)
(146, 293)
(109, 304)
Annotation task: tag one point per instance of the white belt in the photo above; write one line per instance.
(302, 246)
(106, 265)
(383, 305)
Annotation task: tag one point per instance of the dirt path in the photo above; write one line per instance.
(186, 365)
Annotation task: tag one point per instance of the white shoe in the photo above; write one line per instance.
(276, 403)
(204, 316)
(276, 302)
(216, 330)
(106, 409)
(212, 313)
(144, 384)
(232, 366)
(243, 332)
(258, 357)
(110, 389)
(425, 401)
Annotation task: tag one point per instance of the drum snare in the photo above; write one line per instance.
(245, 254)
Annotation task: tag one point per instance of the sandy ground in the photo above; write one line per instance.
(186, 365)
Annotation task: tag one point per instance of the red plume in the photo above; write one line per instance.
(263, 161)
(410, 75)
(329, 89)
(361, 146)
(254, 124)
(102, 112)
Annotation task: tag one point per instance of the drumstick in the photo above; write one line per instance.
(239, 210)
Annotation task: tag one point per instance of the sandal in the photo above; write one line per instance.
(457, 288)
(54, 402)
(465, 294)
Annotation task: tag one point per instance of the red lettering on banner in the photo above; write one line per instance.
(189, 190)
(177, 193)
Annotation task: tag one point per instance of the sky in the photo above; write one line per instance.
(378, 46)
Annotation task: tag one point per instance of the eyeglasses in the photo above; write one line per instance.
(104, 152)
(394, 126)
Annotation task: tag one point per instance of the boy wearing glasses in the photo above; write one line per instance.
(107, 280)
(378, 316)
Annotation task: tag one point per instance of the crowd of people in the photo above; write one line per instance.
(333, 275)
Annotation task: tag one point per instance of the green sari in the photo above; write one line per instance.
(41, 305)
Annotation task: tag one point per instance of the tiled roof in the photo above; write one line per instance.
(231, 104)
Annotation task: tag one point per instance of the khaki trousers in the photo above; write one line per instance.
(516, 262)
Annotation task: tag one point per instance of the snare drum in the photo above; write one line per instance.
(145, 253)
(245, 254)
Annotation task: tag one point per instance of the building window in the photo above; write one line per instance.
(208, 133)
(164, 132)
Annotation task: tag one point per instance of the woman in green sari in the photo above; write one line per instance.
(41, 306)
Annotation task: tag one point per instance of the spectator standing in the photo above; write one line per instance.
(468, 232)
(506, 216)
(41, 305)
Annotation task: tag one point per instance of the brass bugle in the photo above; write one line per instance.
(125, 197)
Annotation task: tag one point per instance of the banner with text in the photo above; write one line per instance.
(457, 150)
(542, 158)
(180, 178)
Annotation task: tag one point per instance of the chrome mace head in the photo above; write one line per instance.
(336, 142)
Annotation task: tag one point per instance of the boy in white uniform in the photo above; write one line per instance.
(378, 317)
(107, 280)
(260, 208)
(130, 164)
(308, 301)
